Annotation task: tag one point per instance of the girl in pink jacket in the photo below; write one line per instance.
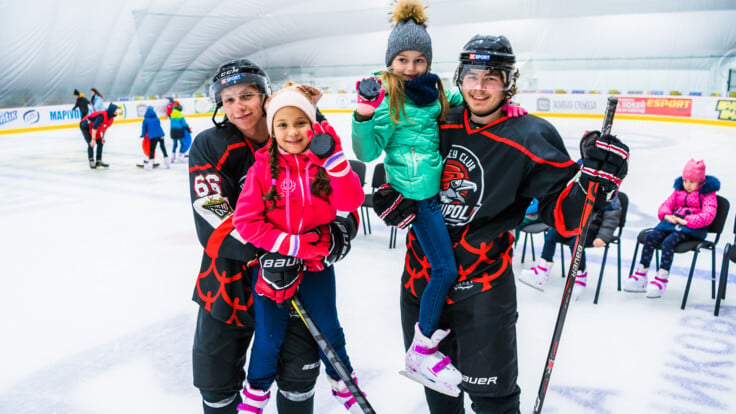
(289, 195)
(685, 215)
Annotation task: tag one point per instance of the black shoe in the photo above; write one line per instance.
(92, 164)
(102, 164)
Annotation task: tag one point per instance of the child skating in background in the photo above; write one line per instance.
(151, 130)
(685, 215)
(288, 193)
(178, 133)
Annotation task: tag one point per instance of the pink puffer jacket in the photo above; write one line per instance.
(697, 208)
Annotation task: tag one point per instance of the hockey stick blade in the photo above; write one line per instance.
(590, 200)
(332, 356)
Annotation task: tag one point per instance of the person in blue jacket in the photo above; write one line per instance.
(151, 130)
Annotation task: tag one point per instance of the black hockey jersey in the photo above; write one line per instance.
(490, 175)
(218, 161)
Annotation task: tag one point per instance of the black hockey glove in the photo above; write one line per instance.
(605, 161)
(279, 276)
(341, 231)
(393, 208)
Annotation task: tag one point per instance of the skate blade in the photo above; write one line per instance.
(531, 285)
(432, 385)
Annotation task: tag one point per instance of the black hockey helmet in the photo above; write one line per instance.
(487, 52)
(235, 72)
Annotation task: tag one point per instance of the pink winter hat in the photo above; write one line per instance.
(303, 97)
(694, 171)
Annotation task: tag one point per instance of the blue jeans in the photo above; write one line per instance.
(317, 292)
(550, 243)
(429, 227)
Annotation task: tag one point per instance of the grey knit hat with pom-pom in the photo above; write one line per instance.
(409, 32)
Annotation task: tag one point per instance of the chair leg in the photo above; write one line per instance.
(633, 259)
(600, 275)
(689, 280)
(562, 259)
(722, 283)
(523, 251)
(362, 218)
(531, 243)
(618, 248)
(713, 273)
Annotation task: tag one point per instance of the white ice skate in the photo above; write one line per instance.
(254, 400)
(536, 276)
(656, 287)
(344, 396)
(581, 281)
(637, 281)
(429, 367)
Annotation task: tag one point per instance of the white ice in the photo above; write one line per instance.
(98, 266)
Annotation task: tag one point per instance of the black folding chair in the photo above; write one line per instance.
(360, 168)
(729, 255)
(624, 199)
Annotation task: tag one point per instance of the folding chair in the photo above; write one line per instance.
(714, 232)
(529, 231)
(360, 168)
(624, 199)
(729, 254)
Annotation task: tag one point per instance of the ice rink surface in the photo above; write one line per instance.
(98, 266)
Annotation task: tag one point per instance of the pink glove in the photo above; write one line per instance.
(305, 246)
(365, 107)
(336, 165)
(513, 110)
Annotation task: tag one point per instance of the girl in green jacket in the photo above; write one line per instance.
(405, 127)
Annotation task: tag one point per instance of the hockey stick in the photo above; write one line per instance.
(332, 356)
(590, 199)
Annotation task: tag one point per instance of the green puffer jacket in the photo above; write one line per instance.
(413, 162)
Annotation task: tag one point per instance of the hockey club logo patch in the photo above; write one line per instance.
(461, 186)
(218, 205)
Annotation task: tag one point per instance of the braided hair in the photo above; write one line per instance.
(320, 184)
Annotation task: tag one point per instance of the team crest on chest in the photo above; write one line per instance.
(461, 188)
(287, 186)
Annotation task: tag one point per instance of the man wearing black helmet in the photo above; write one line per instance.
(493, 167)
(218, 162)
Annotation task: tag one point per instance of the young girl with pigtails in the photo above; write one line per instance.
(289, 197)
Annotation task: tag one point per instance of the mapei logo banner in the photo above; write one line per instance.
(655, 106)
(726, 110)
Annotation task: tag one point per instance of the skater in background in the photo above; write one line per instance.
(82, 104)
(493, 167)
(289, 198)
(218, 162)
(96, 100)
(94, 126)
(685, 215)
(152, 131)
(179, 129)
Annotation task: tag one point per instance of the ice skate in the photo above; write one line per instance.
(429, 367)
(101, 164)
(656, 287)
(536, 276)
(581, 281)
(344, 396)
(92, 163)
(167, 162)
(254, 400)
(637, 281)
(148, 165)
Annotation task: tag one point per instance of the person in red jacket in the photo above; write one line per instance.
(95, 125)
(288, 193)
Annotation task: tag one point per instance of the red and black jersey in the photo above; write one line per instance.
(218, 161)
(491, 174)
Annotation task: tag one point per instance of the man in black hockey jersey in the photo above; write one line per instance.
(218, 162)
(493, 167)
